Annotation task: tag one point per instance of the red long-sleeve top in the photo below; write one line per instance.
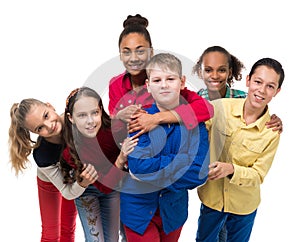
(102, 152)
(121, 95)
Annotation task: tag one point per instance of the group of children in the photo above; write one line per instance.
(172, 140)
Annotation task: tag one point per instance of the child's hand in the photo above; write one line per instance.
(275, 123)
(219, 170)
(127, 147)
(142, 122)
(126, 113)
(89, 175)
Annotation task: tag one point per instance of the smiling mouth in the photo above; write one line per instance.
(215, 82)
(136, 67)
(54, 128)
(91, 128)
(259, 97)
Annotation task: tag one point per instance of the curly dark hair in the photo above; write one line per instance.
(234, 63)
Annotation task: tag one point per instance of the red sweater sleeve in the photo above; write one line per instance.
(109, 174)
(114, 94)
(197, 110)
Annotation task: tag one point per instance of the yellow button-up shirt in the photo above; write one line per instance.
(251, 150)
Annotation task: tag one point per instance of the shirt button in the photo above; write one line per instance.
(121, 105)
(129, 101)
(160, 195)
(191, 125)
(150, 212)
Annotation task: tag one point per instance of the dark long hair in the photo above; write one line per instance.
(71, 133)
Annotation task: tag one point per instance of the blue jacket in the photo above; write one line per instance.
(167, 161)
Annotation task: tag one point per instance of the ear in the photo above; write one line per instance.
(120, 55)
(152, 52)
(182, 80)
(50, 106)
(247, 81)
(147, 84)
(230, 73)
(199, 73)
(70, 118)
(277, 91)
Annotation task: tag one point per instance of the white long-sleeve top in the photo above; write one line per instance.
(54, 175)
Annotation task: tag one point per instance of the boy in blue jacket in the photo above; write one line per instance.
(167, 162)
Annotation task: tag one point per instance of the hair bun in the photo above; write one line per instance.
(137, 19)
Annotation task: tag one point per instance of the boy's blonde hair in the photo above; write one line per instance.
(164, 61)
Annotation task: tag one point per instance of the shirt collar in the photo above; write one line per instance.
(126, 83)
(228, 91)
(238, 112)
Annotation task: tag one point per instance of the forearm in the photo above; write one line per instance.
(112, 178)
(121, 161)
(196, 110)
(68, 191)
(166, 117)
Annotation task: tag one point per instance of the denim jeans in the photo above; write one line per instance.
(223, 234)
(99, 214)
(211, 221)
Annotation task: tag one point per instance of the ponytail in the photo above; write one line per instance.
(20, 142)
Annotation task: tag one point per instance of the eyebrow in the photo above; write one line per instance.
(222, 66)
(140, 46)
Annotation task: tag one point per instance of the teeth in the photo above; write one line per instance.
(258, 97)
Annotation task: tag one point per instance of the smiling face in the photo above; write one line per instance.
(135, 51)
(262, 86)
(165, 86)
(215, 71)
(43, 120)
(86, 116)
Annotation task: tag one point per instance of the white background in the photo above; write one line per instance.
(48, 48)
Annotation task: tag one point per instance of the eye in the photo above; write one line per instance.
(156, 80)
(46, 115)
(81, 115)
(223, 70)
(126, 52)
(171, 79)
(39, 129)
(96, 112)
(140, 51)
(207, 70)
(271, 87)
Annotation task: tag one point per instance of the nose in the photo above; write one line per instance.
(164, 83)
(214, 75)
(90, 119)
(262, 89)
(133, 56)
(48, 124)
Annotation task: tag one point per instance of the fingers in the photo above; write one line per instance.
(273, 116)
(213, 165)
(128, 145)
(138, 113)
(138, 134)
(89, 173)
